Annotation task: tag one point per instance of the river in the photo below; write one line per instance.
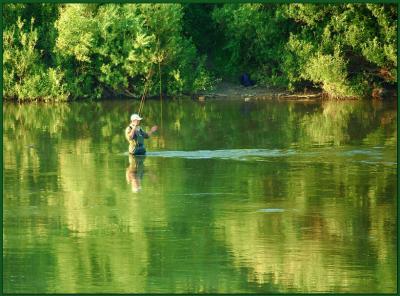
(232, 197)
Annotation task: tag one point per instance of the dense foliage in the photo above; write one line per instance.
(345, 49)
(71, 51)
(28, 70)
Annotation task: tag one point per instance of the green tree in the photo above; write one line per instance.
(122, 49)
(54, 52)
(24, 73)
(29, 69)
(346, 49)
(255, 36)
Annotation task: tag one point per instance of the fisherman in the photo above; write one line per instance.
(136, 135)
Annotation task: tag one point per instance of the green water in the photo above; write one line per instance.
(233, 196)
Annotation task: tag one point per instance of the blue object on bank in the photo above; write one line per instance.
(245, 80)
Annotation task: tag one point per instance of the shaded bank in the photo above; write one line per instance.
(227, 90)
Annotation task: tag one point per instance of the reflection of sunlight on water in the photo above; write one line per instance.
(208, 193)
(362, 152)
(223, 154)
(368, 156)
(271, 210)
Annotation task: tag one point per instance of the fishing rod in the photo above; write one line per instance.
(148, 80)
(145, 90)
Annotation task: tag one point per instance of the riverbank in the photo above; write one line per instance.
(234, 91)
(231, 90)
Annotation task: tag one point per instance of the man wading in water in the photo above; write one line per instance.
(136, 135)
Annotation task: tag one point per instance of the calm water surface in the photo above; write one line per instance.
(233, 196)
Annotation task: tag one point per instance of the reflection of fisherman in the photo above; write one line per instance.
(136, 135)
(135, 171)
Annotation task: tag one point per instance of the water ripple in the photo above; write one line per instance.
(223, 154)
(371, 156)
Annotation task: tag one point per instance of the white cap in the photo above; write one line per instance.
(136, 117)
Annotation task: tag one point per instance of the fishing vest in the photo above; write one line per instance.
(139, 137)
(136, 141)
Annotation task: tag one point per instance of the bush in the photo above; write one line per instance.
(346, 49)
(120, 48)
(25, 76)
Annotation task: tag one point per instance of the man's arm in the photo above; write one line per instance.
(152, 130)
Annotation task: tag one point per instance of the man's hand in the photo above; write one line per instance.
(132, 132)
(153, 129)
